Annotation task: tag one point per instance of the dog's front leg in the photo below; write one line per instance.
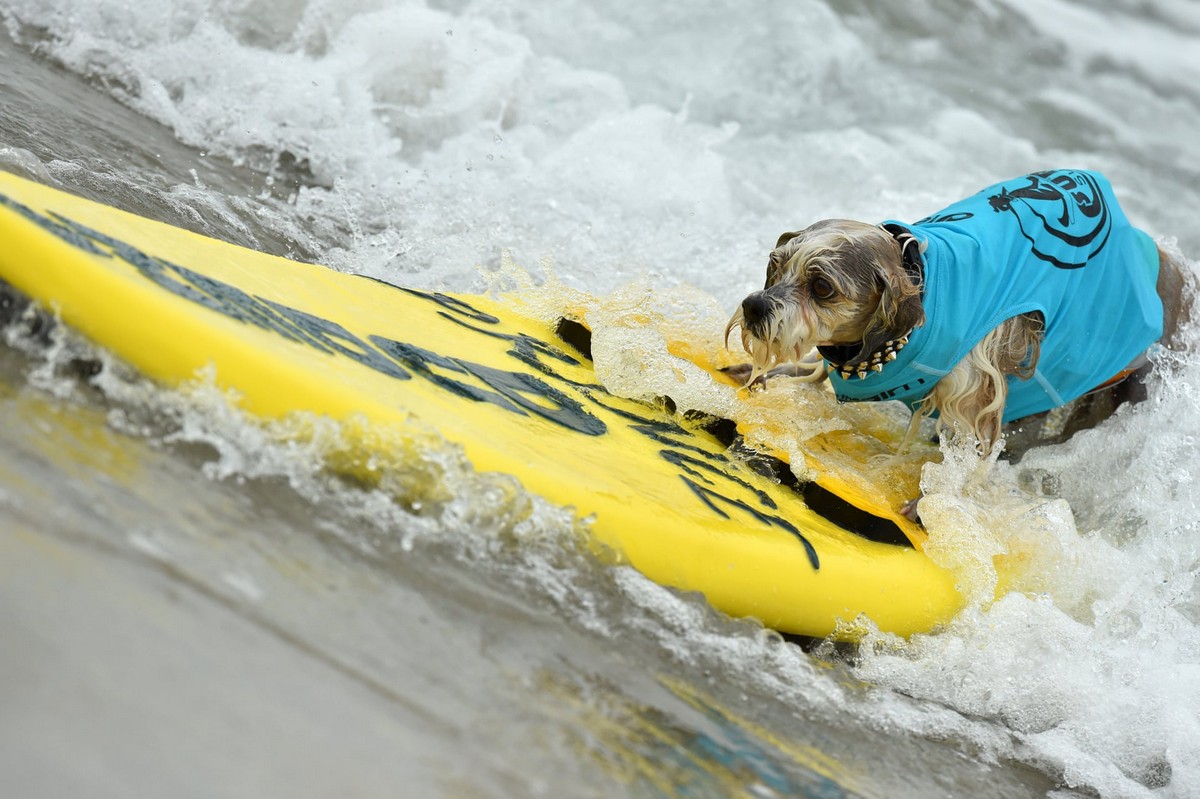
(970, 401)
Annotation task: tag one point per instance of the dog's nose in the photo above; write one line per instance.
(754, 308)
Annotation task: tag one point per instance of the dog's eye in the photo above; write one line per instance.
(821, 288)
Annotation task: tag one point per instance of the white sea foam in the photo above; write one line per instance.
(646, 148)
(436, 139)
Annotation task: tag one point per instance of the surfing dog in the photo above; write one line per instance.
(1017, 300)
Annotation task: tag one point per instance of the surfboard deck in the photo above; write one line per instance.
(658, 491)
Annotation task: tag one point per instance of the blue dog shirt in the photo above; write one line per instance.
(1055, 242)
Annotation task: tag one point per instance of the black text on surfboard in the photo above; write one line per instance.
(710, 476)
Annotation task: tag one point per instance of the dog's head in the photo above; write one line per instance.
(835, 282)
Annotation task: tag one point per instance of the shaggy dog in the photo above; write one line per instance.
(1012, 302)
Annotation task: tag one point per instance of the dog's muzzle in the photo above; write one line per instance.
(758, 318)
(755, 310)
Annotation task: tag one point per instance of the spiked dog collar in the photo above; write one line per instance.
(838, 355)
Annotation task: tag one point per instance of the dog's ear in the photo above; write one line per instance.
(775, 259)
(784, 238)
(899, 310)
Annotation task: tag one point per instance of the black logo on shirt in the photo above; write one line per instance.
(1062, 213)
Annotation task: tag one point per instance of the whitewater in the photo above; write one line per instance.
(193, 606)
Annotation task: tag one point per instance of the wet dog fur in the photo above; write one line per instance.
(842, 282)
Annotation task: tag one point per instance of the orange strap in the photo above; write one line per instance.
(1117, 378)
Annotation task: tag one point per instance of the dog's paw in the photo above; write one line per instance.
(809, 371)
(740, 374)
(909, 510)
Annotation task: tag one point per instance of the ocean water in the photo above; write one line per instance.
(193, 607)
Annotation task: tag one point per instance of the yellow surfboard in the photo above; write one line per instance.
(288, 337)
